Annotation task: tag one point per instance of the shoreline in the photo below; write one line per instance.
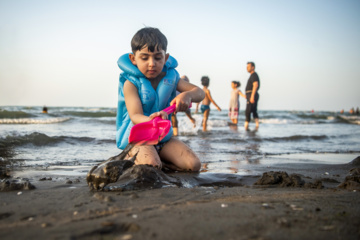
(58, 209)
(251, 166)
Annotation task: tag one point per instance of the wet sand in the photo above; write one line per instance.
(230, 207)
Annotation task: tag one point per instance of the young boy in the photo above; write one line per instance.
(148, 85)
(205, 105)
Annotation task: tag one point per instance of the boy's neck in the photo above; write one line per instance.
(155, 81)
(159, 77)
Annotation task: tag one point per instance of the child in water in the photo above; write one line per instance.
(234, 106)
(147, 85)
(205, 105)
(174, 120)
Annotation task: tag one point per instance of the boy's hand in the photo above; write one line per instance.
(182, 102)
(219, 109)
(161, 114)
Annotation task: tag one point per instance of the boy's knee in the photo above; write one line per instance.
(194, 165)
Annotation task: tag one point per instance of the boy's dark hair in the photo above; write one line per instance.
(238, 84)
(150, 37)
(205, 81)
(252, 64)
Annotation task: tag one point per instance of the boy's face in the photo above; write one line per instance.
(149, 63)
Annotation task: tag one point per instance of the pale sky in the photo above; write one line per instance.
(64, 53)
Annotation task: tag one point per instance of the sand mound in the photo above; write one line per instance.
(282, 179)
(15, 185)
(352, 181)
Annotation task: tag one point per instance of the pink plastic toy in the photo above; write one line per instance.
(151, 132)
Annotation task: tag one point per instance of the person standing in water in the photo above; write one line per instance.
(174, 120)
(205, 104)
(234, 106)
(252, 96)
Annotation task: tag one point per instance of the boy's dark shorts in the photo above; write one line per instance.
(159, 146)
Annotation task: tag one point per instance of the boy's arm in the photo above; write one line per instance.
(134, 106)
(212, 100)
(188, 93)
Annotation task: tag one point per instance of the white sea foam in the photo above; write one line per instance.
(351, 119)
(274, 121)
(32, 120)
(217, 123)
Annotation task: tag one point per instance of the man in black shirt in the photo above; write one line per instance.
(252, 95)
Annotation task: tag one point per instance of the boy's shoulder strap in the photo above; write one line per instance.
(126, 65)
(171, 63)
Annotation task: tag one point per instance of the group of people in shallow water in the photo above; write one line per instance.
(251, 95)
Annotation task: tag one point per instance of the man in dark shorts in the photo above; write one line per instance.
(252, 96)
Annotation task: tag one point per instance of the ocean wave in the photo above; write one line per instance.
(14, 114)
(276, 121)
(313, 116)
(217, 123)
(40, 139)
(291, 121)
(309, 119)
(107, 121)
(350, 119)
(228, 140)
(33, 120)
(90, 114)
(297, 138)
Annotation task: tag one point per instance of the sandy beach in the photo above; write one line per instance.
(275, 127)
(66, 209)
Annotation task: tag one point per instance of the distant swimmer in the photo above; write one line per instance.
(45, 110)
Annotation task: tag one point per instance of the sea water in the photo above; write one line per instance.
(69, 140)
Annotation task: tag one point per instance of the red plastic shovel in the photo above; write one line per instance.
(151, 132)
